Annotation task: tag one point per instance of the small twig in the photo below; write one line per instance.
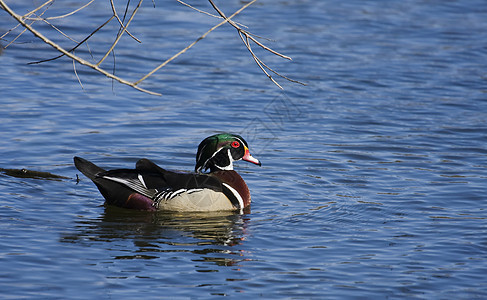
(114, 11)
(77, 77)
(248, 36)
(68, 54)
(261, 63)
(18, 36)
(24, 30)
(75, 47)
(58, 30)
(119, 36)
(193, 43)
(257, 60)
(9, 31)
(263, 46)
(56, 17)
(205, 12)
(198, 10)
(33, 11)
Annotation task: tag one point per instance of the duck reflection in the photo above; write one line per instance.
(155, 233)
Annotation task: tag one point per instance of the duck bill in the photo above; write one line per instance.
(248, 157)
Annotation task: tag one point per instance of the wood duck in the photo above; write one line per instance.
(150, 187)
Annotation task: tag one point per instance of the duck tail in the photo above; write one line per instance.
(88, 168)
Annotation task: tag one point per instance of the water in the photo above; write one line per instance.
(373, 176)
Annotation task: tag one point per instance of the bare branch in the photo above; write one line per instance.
(204, 12)
(193, 43)
(18, 35)
(9, 31)
(248, 36)
(48, 2)
(120, 33)
(56, 17)
(59, 30)
(23, 31)
(77, 77)
(68, 54)
(114, 11)
(75, 47)
(33, 16)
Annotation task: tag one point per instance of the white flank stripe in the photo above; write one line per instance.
(236, 194)
(175, 193)
(142, 180)
(131, 183)
(190, 191)
(119, 180)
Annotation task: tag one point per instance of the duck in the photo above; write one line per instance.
(213, 186)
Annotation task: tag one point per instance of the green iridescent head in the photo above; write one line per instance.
(219, 151)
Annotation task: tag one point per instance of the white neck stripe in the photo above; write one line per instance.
(236, 194)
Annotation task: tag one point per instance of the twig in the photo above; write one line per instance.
(24, 30)
(9, 31)
(248, 36)
(77, 77)
(193, 43)
(119, 36)
(257, 60)
(114, 11)
(14, 39)
(247, 39)
(204, 12)
(261, 63)
(58, 30)
(56, 17)
(68, 54)
(33, 11)
(75, 47)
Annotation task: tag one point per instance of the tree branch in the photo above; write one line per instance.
(246, 37)
(250, 37)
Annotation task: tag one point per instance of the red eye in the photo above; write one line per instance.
(235, 144)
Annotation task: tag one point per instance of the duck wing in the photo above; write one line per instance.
(155, 182)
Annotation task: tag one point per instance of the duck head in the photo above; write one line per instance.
(219, 151)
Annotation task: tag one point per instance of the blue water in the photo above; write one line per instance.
(373, 182)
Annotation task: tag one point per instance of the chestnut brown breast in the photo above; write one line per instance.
(234, 180)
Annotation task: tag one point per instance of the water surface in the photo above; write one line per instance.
(373, 176)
